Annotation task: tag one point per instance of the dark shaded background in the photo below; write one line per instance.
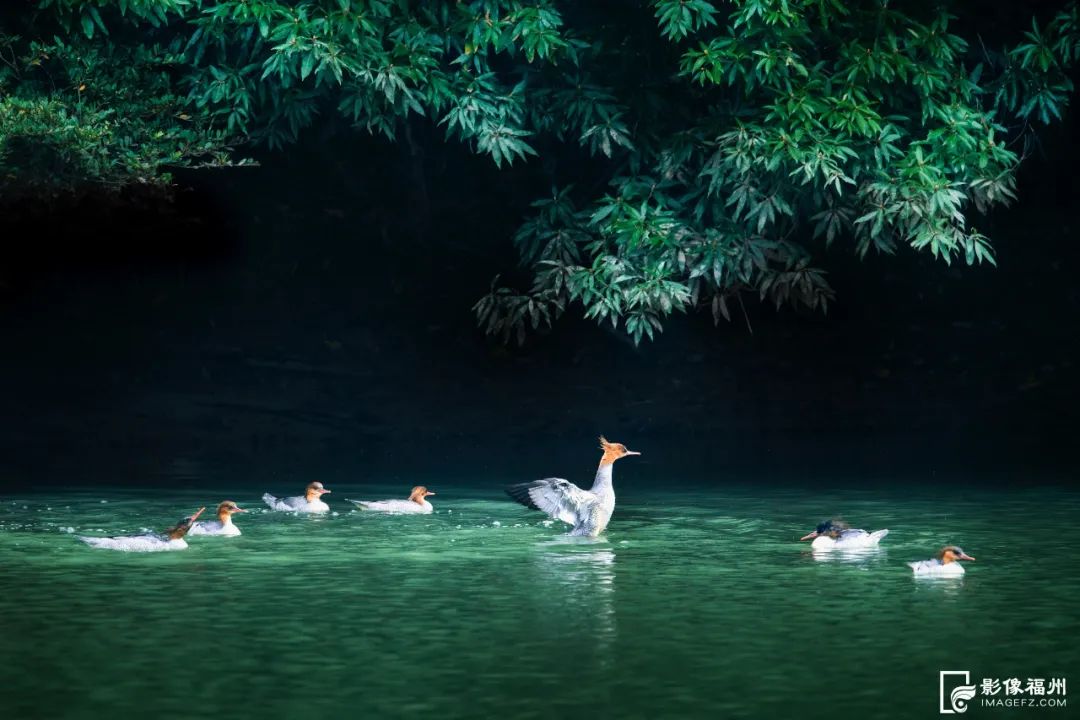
(311, 317)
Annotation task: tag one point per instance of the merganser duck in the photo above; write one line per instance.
(587, 511)
(223, 525)
(944, 565)
(308, 502)
(415, 504)
(172, 539)
(836, 535)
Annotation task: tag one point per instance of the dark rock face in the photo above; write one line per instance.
(281, 319)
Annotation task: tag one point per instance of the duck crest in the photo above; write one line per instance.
(612, 451)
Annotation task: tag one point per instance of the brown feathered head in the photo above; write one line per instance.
(314, 490)
(229, 507)
(613, 451)
(181, 528)
(952, 553)
(419, 493)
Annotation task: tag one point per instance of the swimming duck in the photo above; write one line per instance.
(836, 535)
(944, 565)
(415, 504)
(172, 539)
(308, 502)
(587, 511)
(223, 525)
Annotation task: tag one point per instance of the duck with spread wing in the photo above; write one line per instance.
(586, 511)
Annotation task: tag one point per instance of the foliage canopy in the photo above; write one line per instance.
(739, 136)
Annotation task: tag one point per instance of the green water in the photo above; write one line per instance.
(694, 603)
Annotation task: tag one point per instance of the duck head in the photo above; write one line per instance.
(314, 491)
(952, 553)
(829, 528)
(226, 509)
(181, 528)
(419, 493)
(613, 451)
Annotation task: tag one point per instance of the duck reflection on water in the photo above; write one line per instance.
(582, 572)
(856, 556)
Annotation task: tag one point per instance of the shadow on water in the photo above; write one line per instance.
(945, 587)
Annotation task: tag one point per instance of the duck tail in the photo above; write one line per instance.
(877, 535)
(270, 500)
(360, 504)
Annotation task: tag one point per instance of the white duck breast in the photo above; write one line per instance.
(214, 527)
(849, 540)
(135, 543)
(395, 506)
(936, 568)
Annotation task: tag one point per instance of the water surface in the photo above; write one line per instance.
(696, 602)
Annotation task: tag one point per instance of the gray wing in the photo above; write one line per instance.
(561, 499)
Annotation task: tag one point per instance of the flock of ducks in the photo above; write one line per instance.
(836, 535)
(587, 512)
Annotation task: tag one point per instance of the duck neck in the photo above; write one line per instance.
(602, 484)
(311, 496)
(225, 518)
